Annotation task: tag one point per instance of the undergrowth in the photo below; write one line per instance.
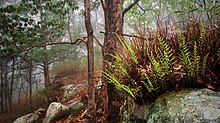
(148, 67)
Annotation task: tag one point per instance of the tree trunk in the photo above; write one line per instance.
(11, 85)
(6, 85)
(2, 88)
(113, 24)
(46, 74)
(89, 29)
(30, 84)
(46, 70)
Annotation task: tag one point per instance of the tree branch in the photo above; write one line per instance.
(129, 7)
(77, 42)
(98, 41)
(129, 35)
(103, 4)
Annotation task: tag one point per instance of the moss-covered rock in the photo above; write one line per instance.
(188, 105)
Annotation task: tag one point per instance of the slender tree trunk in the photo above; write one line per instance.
(46, 71)
(11, 85)
(6, 87)
(89, 29)
(46, 74)
(2, 88)
(30, 84)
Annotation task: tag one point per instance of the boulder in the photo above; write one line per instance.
(72, 91)
(55, 111)
(75, 105)
(186, 106)
(29, 118)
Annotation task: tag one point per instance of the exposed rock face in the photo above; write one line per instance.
(55, 110)
(186, 106)
(29, 118)
(71, 91)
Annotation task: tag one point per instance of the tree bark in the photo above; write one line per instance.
(46, 70)
(89, 30)
(30, 84)
(11, 85)
(6, 85)
(113, 24)
(2, 87)
(46, 74)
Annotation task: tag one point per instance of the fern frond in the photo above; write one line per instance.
(203, 67)
(157, 66)
(195, 64)
(113, 79)
(185, 55)
(128, 49)
(168, 60)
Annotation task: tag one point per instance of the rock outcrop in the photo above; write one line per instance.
(186, 106)
(72, 91)
(29, 118)
(55, 110)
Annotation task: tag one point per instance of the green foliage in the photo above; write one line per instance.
(45, 93)
(185, 57)
(25, 23)
(167, 58)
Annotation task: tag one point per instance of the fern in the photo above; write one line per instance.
(185, 56)
(149, 85)
(167, 59)
(128, 49)
(120, 65)
(113, 79)
(157, 66)
(195, 64)
(203, 67)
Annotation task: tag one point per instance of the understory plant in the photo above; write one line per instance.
(145, 71)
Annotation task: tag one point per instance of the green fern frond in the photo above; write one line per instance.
(185, 55)
(128, 49)
(195, 64)
(203, 68)
(168, 60)
(157, 66)
(119, 65)
(149, 85)
(113, 79)
(202, 34)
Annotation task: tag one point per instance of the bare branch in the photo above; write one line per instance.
(98, 41)
(103, 4)
(77, 42)
(130, 6)
(129, 35)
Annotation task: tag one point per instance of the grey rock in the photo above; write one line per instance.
(71, 91)
(186, 106)
(55, 111)
(75, 105)
(29, 118)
